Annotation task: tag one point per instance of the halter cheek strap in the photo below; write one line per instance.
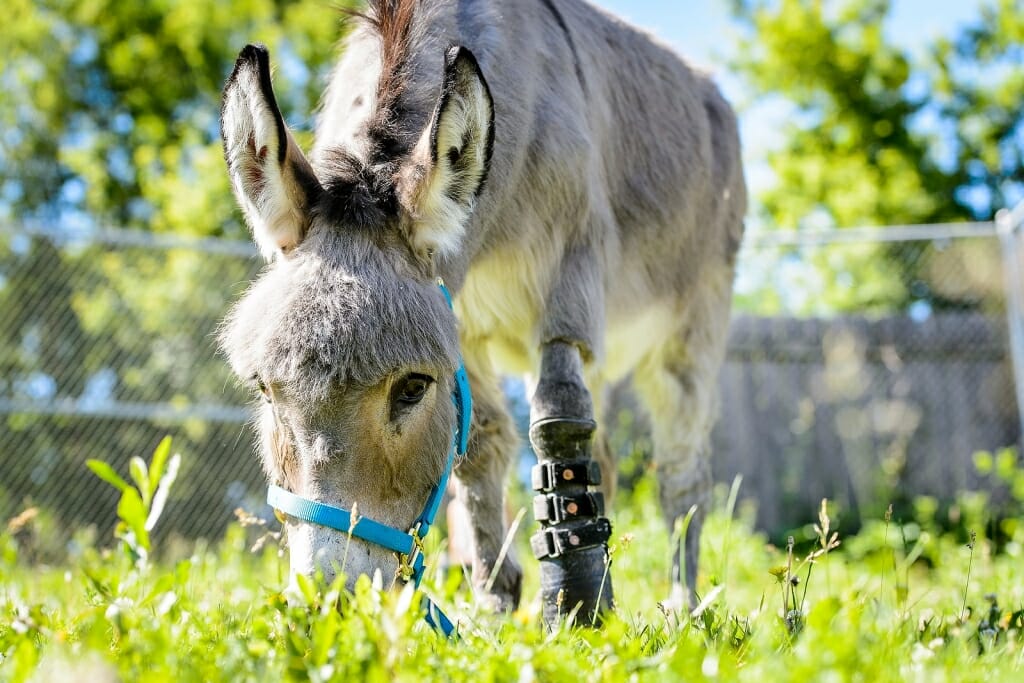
(407, 544)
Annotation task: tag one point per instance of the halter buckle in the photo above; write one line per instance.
(407, 563)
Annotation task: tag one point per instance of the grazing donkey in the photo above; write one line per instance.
(576, 184)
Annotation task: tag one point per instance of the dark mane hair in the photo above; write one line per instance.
(392, 20)
(360, 193)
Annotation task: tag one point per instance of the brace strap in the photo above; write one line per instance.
(547, 476)
(553, 542)
(555, 509)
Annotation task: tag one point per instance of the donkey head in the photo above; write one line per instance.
(346, 338)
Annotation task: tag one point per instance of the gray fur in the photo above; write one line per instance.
(607, 220)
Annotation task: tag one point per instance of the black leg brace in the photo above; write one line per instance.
(572, 544)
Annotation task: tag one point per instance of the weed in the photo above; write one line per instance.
(141, 505)
(789, 577)
(967, 583)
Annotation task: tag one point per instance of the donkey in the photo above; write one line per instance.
(579, 188)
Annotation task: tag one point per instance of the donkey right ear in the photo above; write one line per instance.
(449, 164)
(273, 182)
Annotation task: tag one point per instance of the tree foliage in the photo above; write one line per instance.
(880, 135)
(111, 108)
(109, 118)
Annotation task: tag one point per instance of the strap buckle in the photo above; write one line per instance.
(407, 568)
(554, 542)
(555, 509)
(546, 476)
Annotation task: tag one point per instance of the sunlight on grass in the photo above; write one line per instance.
(884, 605)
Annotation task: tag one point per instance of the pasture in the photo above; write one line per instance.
(907, 599)
(865, 337)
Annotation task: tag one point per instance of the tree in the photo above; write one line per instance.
(115, 105)
(879, 138)
(109, 118)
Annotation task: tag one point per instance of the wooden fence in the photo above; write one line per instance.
(864, 412)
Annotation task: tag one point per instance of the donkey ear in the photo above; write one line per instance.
(450, 163)
(273, 182)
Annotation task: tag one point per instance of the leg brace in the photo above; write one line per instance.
(572, 544)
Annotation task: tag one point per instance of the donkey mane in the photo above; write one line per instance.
(392, 21)
(360, 193)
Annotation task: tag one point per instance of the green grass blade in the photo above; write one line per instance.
(107, 474)
(162, 491)
(156, 466)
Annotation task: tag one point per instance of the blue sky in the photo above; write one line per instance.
(702, 31)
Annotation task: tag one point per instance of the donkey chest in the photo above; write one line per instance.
(500, 306)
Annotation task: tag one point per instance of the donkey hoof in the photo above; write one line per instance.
(679, 603)
(503, 594)
(499, 603)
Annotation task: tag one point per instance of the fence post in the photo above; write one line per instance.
(1010, 226)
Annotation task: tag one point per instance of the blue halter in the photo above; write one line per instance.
(408, 545)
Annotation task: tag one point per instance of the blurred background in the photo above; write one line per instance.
(878, 302)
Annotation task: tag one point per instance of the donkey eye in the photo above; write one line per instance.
(411, 389)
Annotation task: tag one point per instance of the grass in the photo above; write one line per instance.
(893, 602)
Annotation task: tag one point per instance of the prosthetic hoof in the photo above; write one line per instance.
(571, 586)
(572, 544)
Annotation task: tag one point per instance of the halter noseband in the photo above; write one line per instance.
(408, 545)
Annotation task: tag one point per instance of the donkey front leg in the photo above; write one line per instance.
(480, 490)
(572, 544)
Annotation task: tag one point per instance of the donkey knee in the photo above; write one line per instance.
(562, 423)
(561, 393)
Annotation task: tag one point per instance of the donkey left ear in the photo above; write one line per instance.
(273, 182)
(450, 163)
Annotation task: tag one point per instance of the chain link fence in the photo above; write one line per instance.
(107, 344)
(866, 366)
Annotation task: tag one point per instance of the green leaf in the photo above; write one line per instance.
(307, 588)
(24, 659)
(325, 638)
(983, 462)
(162, 491)
(107, 474)
(140, 475)
(162, 585)
(156, 466)
(133, 513)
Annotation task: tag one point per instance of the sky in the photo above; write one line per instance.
(700, 29)
(703, 32)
